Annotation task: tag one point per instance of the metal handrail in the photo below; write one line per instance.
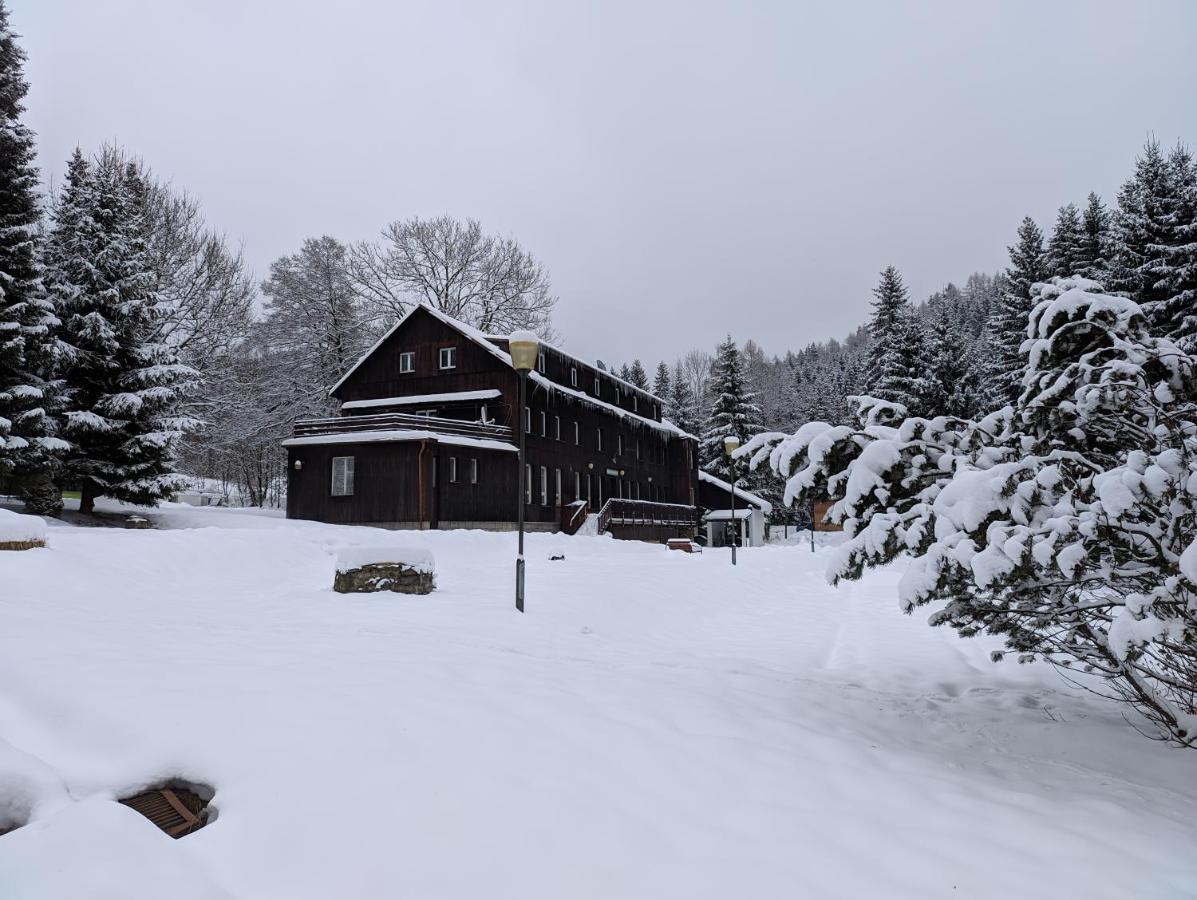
(644, 512)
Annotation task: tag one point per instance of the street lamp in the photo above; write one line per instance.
(731, 444)
(524, 347)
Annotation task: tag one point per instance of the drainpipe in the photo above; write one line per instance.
(420, 487)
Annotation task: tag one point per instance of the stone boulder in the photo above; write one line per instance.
(403, 570)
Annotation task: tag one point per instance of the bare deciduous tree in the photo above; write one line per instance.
(486, 281)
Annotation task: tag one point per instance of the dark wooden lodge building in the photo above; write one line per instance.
(427, 438)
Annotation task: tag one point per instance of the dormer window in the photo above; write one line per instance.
(407, 362)
(598, 388)
(447, 358)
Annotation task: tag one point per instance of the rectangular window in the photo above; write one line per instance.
(528, 483)
(342, 476)
(573, 376)
(597, 386)
(407, 362)
(452, 470)
(598, 437)
(540, 362)
(635, 403)
(527, 419)
(544, 485)
(577, 435)
(557, 428)
(577, 485)
(544, 424)
(619, 445)
(557, 487)
(448, 358)
(473, 471)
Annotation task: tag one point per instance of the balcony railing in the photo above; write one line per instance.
(401, 422)
(645, 512)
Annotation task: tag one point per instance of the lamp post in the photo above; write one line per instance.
(731, 444)
(524, 347)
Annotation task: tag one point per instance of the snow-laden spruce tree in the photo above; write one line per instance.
(1007, 326)
(733, 410)
(1155, 247)
(1064, 248)
(1092, 258)
(28, 395)
(661, 384)
(123, 386)
(1066, 524)
(951, 383)
(681, 406)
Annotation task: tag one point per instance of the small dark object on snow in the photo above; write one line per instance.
(176, 809)
(384, 577)
(558, 556)
(138, 522)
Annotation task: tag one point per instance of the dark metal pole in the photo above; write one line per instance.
(519, 560)
(812, 528)
(735, 524)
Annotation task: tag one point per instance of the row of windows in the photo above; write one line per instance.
(446, 358)
(657, 449)
(342, 482)
(342, 473)
(586, 488)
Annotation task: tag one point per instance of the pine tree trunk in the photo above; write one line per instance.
(87, 497)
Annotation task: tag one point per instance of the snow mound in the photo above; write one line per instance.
(16, 528)
(416, 558)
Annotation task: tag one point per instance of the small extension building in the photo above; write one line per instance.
(428, 436)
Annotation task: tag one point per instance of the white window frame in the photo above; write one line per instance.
(557, 428)
(635, 403)
(473, 470)
(577, 434)
(573, 376)
(528, 483)
(527, 420)
(557, 485)
(544, 485)
(619, 445)
(407, 362)
(449, 353)
(577, 485)
(598, 386)
(346, 476)
(598, 439)
(544, 424)
(452, 470)
(540, 363)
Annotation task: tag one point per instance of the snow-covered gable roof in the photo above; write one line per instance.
(607, 373)
(763, 505)
(485, 342)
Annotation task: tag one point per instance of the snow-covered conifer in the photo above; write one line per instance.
(1065, 525)
(28, 395)
(1064, 250)
(124, 388)
(1093, 251)
(661, 382)
(637, 375)
(733, 409)
(950, 385)
(681, 407)
(1007, 326)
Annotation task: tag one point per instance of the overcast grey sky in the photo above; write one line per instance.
(685, 170)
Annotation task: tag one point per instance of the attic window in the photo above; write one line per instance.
(448, 357)
(573, 376)
(540, 362)
(176, 809)
(407, 362)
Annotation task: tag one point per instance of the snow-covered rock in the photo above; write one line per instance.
(19, 529)
(415, 558)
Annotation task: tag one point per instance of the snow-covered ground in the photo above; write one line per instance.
(657, 725)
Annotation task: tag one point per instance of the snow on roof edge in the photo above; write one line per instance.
(397, 436)
(765, 506)
(415, 399)
(593, 365)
